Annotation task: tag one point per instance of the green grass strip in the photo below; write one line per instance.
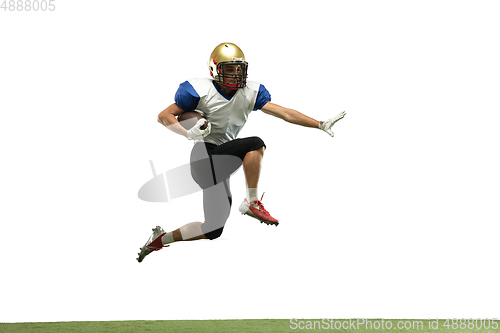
(261, 326)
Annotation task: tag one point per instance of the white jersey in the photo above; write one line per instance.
(227, 115)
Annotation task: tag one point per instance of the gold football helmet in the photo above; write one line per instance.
(228, 66)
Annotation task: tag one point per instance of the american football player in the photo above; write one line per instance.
(225, 100)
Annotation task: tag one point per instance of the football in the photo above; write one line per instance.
(189, 118)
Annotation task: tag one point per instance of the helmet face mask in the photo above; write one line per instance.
(232, 74)
(228, 67)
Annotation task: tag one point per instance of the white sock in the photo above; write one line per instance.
(252, 194)
(167, 238)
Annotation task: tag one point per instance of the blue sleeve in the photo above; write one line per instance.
(262, 98)
(186, 97)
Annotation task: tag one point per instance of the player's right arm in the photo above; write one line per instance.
(186, 99)
(168, 118)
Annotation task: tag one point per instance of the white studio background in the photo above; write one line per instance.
(395, 217)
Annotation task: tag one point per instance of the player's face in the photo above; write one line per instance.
(232, 70)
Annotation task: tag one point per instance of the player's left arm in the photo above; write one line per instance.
(289, 115)
(295, 117)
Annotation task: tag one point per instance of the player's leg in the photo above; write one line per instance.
(189, 232)
(216, 204)
(160, 239)
(252, 166)
(252, 205)
(217, 207)
(251, 152)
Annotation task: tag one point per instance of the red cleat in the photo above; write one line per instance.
(256, 210)
(153, 243)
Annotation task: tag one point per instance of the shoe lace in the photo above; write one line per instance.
(261, 206)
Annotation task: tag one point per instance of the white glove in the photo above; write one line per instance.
(195, 133)
(327, 125)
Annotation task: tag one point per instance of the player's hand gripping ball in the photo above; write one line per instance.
(197, 126)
